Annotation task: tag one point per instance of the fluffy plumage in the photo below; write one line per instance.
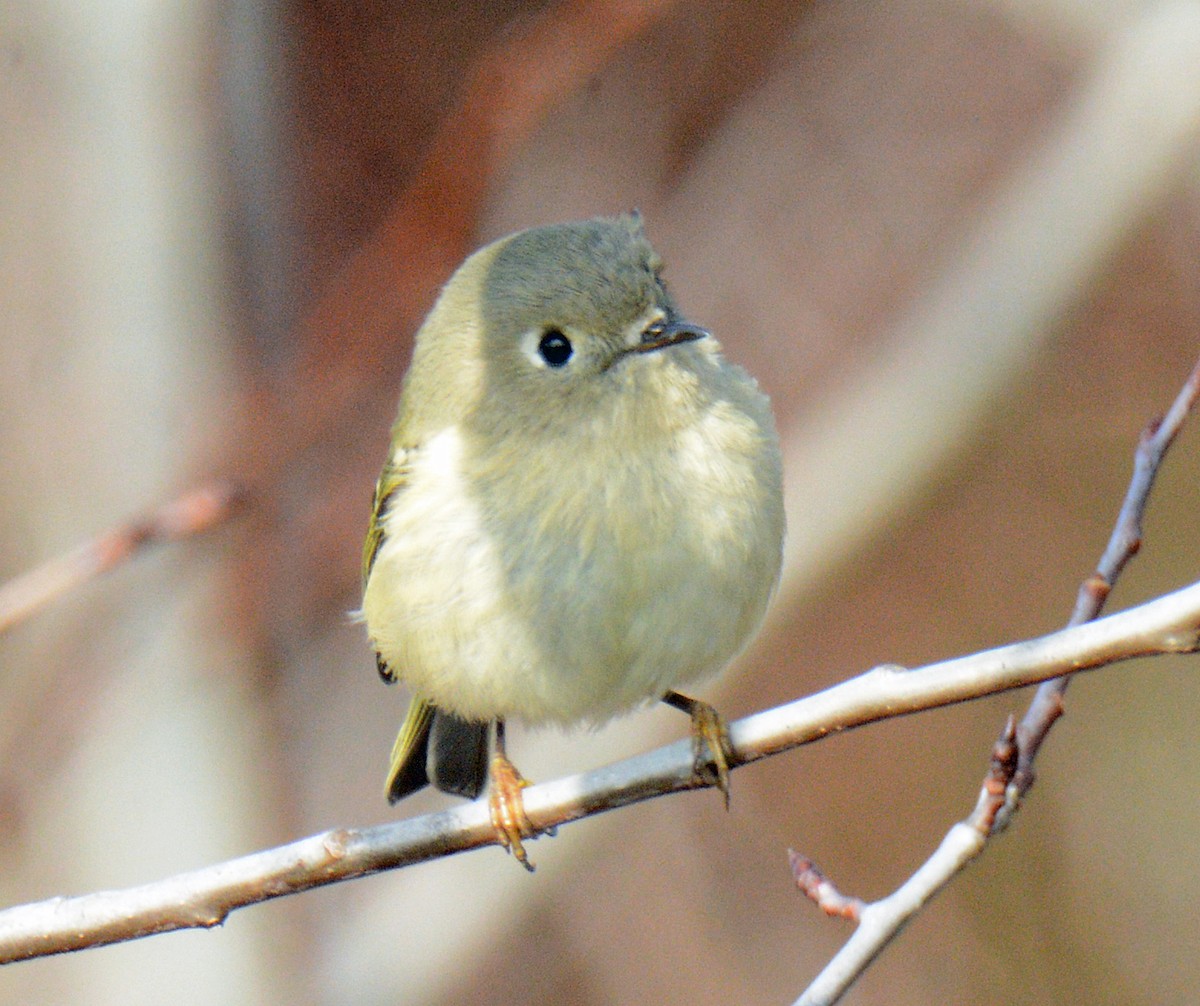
(562, 542)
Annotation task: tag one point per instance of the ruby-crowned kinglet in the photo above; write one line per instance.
(581, 510)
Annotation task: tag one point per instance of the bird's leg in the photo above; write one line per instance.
(710, 740)
(507, 804)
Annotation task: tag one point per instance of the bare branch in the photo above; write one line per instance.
(204, 897)
(882, 921)
(190, 514)
(1011, 773)
(1047, 704)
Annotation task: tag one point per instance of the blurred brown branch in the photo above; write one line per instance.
(203, 898)
(1011, 773)
(352, 345)
(390, 281)
(190, 514)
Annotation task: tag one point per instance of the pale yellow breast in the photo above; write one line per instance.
(576, 586)
(435, 605)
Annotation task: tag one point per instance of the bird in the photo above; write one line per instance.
(580, 511)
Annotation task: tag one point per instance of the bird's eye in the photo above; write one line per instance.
(555, 348)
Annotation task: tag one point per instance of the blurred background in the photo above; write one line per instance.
(959, 245)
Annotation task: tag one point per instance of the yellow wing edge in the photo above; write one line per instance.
(407, 772)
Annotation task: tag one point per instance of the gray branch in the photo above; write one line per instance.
(205, 897)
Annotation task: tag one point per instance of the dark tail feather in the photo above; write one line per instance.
(457, 756)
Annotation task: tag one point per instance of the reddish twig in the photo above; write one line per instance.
(820, 890)
(1001, 769)
(190, 514)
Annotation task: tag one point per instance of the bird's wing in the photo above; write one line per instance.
(407, 772)
(392, 479)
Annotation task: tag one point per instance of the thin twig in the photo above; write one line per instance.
(1170, 624)
(1011, 773)
(819, 889)
(882, 921)
(1047, 704)
(190, 514)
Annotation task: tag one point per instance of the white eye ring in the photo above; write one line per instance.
(549, 348)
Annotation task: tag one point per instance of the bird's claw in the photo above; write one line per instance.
(712, 747)
(507, 807)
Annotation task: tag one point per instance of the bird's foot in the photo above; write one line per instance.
(507, 806)
(712, 747)
(710, 741)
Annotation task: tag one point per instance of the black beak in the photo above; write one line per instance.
(666, 333)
